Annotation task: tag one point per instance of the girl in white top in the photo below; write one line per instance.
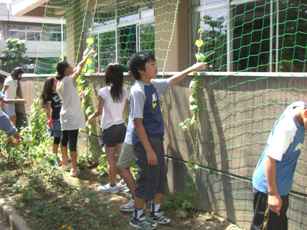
(10, 92)
(112, 100)
(71, 116)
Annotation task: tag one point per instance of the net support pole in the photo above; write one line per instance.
(116, 36)
(137, 32)
(62, 37)
(271, 35)
(98, 51)
(229, 38)
(277, 37)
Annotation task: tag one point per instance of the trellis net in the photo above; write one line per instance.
(240, 36)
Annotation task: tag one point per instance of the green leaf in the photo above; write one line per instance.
(201, 57)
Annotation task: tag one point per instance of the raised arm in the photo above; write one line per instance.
(79, 67)
(177, 78)
(17, 100)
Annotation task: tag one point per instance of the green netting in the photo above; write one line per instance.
(240, 35)
(254, 36)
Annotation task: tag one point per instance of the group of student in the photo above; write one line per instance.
(141, 142)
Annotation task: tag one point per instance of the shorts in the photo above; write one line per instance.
(55, 130)
(150, 180)
(113, 135)
(70, 137)
(9, 109)
(264, 218)
(126, 157)
(6, 125)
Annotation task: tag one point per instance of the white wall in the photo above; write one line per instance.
(40, 48)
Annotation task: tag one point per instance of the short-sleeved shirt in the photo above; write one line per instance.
(71, 115)
(56, 105)
(145, 104)
(112, 113)
(1, 98)
(129, 131)
(11, 91)
(284, 145)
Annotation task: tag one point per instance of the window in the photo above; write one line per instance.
(119, 38)
(17, 34)
(33, 36)
(250, 35)
(211, 17)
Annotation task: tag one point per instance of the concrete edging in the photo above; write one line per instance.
(14, 220)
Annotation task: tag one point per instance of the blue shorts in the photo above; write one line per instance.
(6, 125)
(9, 109)
(55, 130)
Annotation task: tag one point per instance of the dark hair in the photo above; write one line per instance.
(47, 90)
(115, 78)
(60, 68)
(16, 72)
(138, 61)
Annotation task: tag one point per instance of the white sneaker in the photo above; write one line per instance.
(108, 188)
(122, 185)
(128, 207)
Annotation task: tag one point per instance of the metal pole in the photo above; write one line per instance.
(271, 35)
(116, 35)
(277, 36)
(62, 37)
(229, 38)
(98, 51)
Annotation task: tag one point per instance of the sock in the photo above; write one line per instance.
(138, 213)
(155, 207)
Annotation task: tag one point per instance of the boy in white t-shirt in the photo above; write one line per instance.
(10, 91)
(112, 101)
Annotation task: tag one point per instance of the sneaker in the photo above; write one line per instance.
(159, 218)
(128, 207)
(108, 188)
(121, 185)
(142, 223)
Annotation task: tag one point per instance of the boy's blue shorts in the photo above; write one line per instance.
(150, 179)
(6, 125)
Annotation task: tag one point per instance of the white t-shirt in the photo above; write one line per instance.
(129, 131)
(112, 113)
(71, 115)
(10, 93)
(1, 98)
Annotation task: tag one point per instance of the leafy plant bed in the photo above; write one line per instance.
(49, 199)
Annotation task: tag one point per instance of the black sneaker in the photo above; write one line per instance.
(142, 223)
(159, 218)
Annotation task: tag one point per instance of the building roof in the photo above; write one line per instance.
(22, 7)
(31, 19)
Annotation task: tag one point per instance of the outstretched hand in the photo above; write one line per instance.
(89, 52)
(199, 66)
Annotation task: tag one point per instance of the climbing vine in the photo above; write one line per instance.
(196, 87)
(83, 83)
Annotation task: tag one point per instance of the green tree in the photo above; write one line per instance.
(14, 54)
